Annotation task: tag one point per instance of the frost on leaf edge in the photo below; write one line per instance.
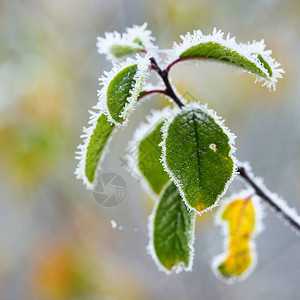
(140, 78)
(220, 122)
(259, 214)
(126, 39)
(81, 153)
(150, 248)
(246, 50)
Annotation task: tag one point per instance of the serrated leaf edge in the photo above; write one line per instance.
(145, 128)
(140, 77)
(150, 248)
(245, 50)
(220, 122)
(259, 214)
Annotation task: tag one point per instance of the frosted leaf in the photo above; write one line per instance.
(240, 217)
(251, 56)
(121, 88)
(201, 174)
(171, 230)
(90, 154)
(116, 46)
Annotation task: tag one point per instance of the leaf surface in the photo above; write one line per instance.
(119, 51)
(96, 145)
(150, 166)
(252, 57)
(197, 154)
(173, 232)
(218, 51)
(240, 218)
(119, 92)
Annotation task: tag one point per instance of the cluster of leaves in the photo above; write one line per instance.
(191, 150)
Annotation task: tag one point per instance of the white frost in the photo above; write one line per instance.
(82, 150)
(104, 44)
(140, 77)
(250, 51)
(143, 34)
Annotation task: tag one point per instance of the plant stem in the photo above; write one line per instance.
(245, 173)
(173, 63)
(266, 195)
(152, 92)
(164, 74)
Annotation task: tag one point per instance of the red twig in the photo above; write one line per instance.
(152, 92)
(173, 63)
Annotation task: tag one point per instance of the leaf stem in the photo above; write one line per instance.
(164, 74)
(173, 63)
(152, 92)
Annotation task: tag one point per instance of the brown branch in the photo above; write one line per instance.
(164, 74)
(263, 193)
(147, 93)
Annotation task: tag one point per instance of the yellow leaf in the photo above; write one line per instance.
(240, 217)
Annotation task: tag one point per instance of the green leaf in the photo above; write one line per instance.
(139, 42)
(217, 51)
(97, 142)
(173, 232)
(119, 51)
(149, 164)
(252, 57)
(117, 46)
(121, 88)
(118, 92)
(197, 154)
(265, 64)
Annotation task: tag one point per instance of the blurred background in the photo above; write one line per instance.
(56, 241)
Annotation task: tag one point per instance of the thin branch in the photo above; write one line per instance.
(147, 93)
(287, 213)
(165, 77)
(173, 63)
